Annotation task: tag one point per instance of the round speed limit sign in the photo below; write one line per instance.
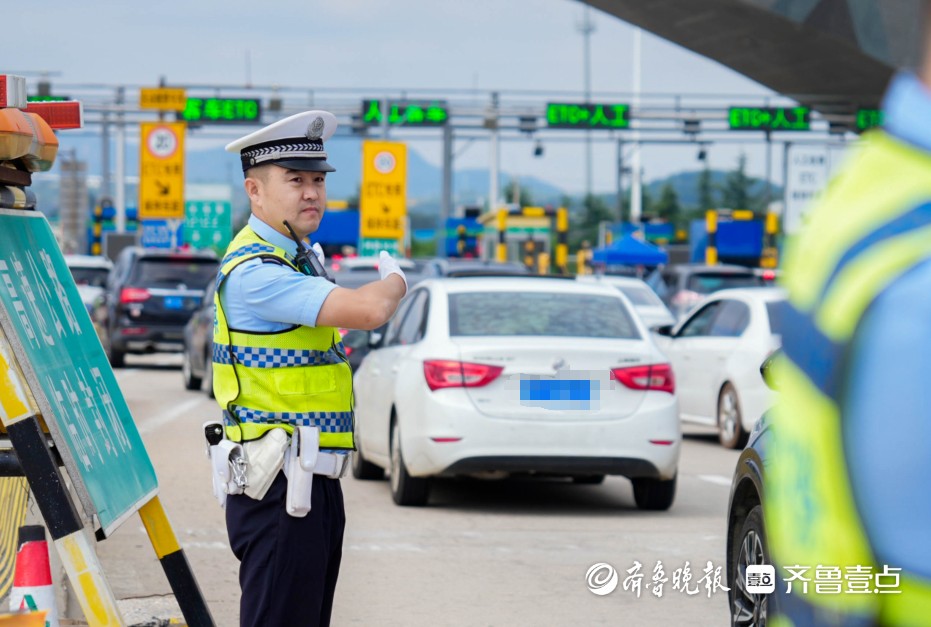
(385, 163)
(162, 142)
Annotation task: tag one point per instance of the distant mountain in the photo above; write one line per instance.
(686, 186)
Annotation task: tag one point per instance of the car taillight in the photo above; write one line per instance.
(654, 377)
(134, 295)
(769, 275)
(457, 374)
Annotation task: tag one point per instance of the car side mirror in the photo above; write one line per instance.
(665, 330)
(766, 370)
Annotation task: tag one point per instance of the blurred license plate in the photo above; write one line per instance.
(537, 390)
(174, 302)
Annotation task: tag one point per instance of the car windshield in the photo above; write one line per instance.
(539, 313)
(708, 282)
(90, 276)
(640, 296)
(171, 272)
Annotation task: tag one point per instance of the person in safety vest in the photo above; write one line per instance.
(281, 376)
(847, 503)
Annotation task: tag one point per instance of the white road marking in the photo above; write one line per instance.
(172, 413)
(716, 479)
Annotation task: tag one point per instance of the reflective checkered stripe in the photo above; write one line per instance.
(254, 357)
(298, 376)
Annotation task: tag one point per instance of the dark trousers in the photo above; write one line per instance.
(288, 566)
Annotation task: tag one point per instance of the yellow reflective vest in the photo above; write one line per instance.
(872, 225)
(296, 377)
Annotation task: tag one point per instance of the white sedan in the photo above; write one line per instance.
(647, 304)
(716, 352)
(498, 375)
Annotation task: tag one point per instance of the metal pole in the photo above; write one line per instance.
(446, 203)
(493, 157)
(587, 27)
(120, 202)
(105, 157)
(769, 171)
(620, 180)
(385, 111)
(636, 193)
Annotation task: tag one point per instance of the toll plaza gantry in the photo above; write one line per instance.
(61, 410)
(524, 234)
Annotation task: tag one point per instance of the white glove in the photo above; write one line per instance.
(318, 250)
(388, 265)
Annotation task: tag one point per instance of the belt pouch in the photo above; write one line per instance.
(299, 468)
(264, 458)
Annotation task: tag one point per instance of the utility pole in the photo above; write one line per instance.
(586, 28)
(120, 203)
(636, 193)
(491, 123)
(446, 203)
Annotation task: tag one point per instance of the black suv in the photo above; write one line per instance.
(150, 296)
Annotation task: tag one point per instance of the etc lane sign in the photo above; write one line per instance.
(52, 337)
(161, 170)
(383, 198)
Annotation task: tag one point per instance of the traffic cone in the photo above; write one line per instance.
(32, 579)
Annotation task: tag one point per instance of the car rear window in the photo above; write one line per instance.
(90, 276)
(539, 313)
(708, 282)
(777, 310)
(170, 272)
(641, 296)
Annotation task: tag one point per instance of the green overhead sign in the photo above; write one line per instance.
(65, 366)
(587, 115)
(406, 112)
(769, 118)
(869, 118)
(221, 111)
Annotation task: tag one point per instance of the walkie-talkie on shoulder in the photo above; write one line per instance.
(306, 260)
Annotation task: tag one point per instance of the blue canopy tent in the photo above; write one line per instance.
(629, 251)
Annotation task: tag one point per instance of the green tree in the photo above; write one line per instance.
(706, 191)
(737, 193)
(594, 211)
(523, 195)
(667, 207)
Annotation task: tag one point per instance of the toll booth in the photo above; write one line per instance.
(735, 236)
(524, 235)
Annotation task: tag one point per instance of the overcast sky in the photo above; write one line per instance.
(475, 44)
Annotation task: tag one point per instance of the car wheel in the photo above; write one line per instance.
(654, 494)
(588, 479)
(731, 431)
(191, 382)
(117, 358)
(405, 489)
(749, 550)
(364, 470)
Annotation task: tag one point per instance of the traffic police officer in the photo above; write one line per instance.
(847, 501)
(279, 364)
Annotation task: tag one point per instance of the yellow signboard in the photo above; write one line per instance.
(161, 170)
(163, 98)
(383, 198)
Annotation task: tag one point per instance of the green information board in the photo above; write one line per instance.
(769, 118)
(208, 224)
(369, 247)
(869, 118)
(587, 115)
(57, 347)
(221, 110)
(406, 112)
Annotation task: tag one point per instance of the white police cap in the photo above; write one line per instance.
(295, 142)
